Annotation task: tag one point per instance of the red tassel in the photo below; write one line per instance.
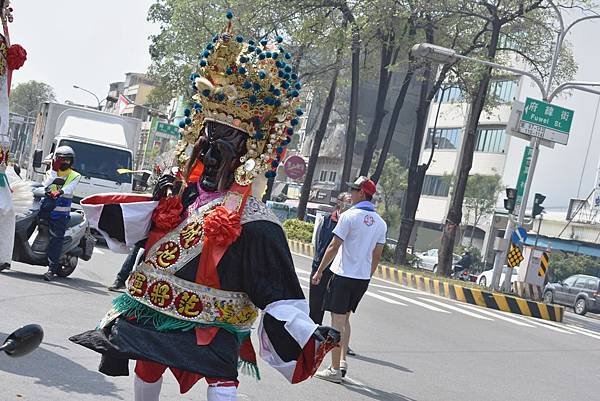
(16, 57)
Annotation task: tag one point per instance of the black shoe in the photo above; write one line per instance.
(48, 276)
(117, 285)
(4, 266)
(350, 352)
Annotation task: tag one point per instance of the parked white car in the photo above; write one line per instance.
(485, 278)
(428, 260)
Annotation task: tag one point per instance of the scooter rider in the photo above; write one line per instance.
(465, 262)
(56, 205)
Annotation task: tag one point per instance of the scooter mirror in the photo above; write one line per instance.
(23, 340)
(17, 169)
(59, 181)
(38, 154)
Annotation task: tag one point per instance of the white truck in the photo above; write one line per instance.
(102, 143)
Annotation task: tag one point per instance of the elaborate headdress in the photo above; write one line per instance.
(249, 86)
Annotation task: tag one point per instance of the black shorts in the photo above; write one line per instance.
(343, 294)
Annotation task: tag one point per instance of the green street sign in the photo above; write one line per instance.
(168, 129)
(546, 120)
(523, 172)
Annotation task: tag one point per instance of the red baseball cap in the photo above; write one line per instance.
(365, 184)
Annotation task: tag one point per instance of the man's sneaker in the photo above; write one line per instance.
(4, 266)
(117, 285)
(350, 352)
(343, 368)
(48, 276)
(330, 374)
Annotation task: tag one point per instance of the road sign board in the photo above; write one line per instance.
(512, 127)
(168, 129)
(295, 167)
(545, 120)
(519, 236)
(523, 172)
(543, 265)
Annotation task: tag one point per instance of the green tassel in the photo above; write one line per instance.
(249, 369)
(128, 306)
(3, 180)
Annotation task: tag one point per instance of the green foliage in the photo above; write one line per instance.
(563, 265)
(388, 254)
(27, 96)
(298, 230)
(393, 180)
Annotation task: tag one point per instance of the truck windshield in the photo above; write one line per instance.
(99, 161)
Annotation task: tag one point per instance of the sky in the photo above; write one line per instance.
(81, 42)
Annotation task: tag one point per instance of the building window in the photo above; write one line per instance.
(332, 175)
(323, 176)
(490, 140)
(503, 91)
(445, 138)
(449, 95)
(435, 185)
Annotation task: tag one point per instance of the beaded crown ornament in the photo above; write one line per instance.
(248, 85)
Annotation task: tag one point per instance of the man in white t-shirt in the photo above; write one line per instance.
(356, 250)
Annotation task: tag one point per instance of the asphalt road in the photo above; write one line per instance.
(411, 346)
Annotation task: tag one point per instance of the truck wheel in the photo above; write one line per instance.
(67, 269)
(580, 307)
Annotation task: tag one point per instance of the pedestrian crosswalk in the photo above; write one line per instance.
(406, 297)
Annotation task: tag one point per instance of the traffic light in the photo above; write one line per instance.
(511, 199)
(537, 204)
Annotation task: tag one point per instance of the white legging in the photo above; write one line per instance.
(151, 391)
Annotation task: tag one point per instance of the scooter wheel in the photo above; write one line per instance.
(69, 268)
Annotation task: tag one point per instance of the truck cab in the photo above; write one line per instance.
(103, 144)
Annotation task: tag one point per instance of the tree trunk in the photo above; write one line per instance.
(392, 124)
(454, 215)
(353, 114)
(416, 172)
(389, 135)
(269, 189)
(316, 146)
(385, 77)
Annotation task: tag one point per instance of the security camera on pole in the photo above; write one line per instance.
(552, 127)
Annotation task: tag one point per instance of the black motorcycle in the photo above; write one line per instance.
(78, 241)
(23, 341)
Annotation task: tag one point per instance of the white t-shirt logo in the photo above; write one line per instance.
(368, 220)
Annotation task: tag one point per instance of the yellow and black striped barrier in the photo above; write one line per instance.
(475, 296)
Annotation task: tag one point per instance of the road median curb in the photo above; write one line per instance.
(474, 296)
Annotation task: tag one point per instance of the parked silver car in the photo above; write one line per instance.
(428, 260)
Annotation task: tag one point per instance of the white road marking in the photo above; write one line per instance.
(379, 297)
(497, 315)
(547, 324)
(456, 309)
(384, 299)
(584, 332)
(412, 301)
(98, 251)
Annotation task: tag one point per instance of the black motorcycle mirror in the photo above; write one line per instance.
(59, 181)
(23, 341)
(17, 169)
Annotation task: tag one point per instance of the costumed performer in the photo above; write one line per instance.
(215, 255)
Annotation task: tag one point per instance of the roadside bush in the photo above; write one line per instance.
(563, 265)
(388, 254)
(298, 230)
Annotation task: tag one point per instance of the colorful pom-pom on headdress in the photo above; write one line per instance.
(249, 86)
